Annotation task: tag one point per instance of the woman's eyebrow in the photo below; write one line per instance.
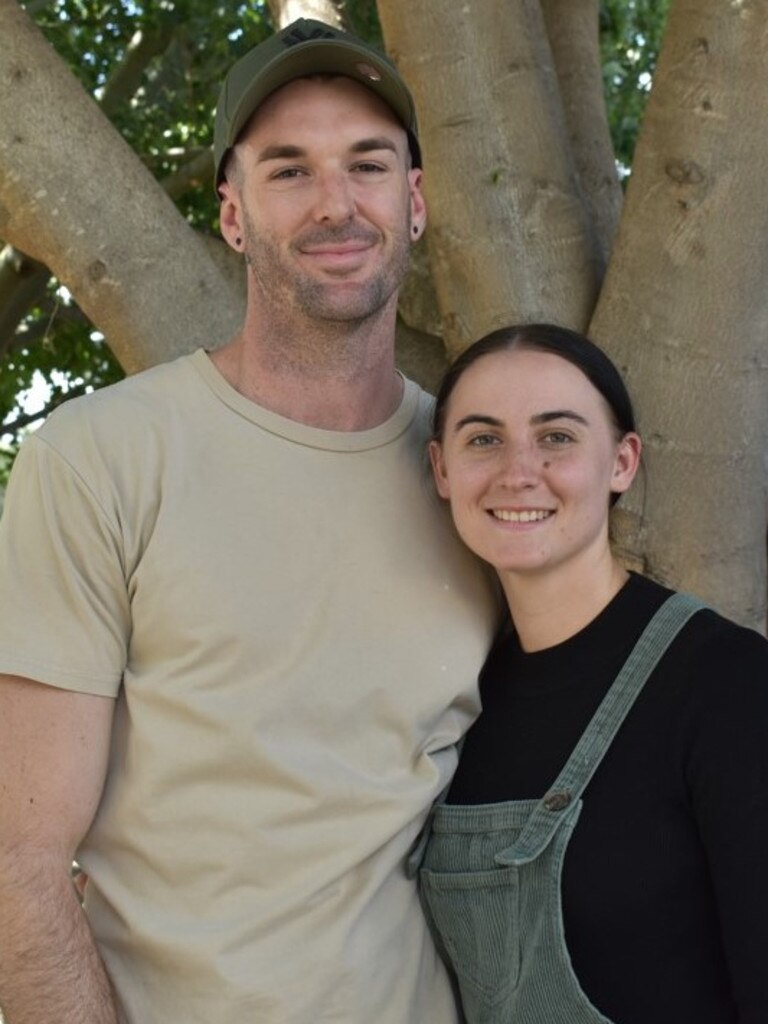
(558, 414)
(476, 417)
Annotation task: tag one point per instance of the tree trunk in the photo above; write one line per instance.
(74, 196)
(509, 238)
(572, 28)
(685, 308)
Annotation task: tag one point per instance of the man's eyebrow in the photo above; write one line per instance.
(279, 152)
(558, 414)
(289, 152)
(378, 142)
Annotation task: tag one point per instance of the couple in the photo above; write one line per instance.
(242, 642)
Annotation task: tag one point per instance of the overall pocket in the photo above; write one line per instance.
(476, 916)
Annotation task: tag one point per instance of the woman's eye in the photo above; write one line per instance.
(558, 437)
(483, 440)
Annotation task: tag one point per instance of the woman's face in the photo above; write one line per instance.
(528, 460)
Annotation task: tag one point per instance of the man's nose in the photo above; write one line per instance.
(335, 198)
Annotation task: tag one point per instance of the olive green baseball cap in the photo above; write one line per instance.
(306, 47)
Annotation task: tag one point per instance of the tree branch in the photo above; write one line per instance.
(572, 28)
(22, 284)
(35, 6)
(517, 244)
(198, 170)
(31, 334)
(126, 78)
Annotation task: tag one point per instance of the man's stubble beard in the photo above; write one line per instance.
(285, 287)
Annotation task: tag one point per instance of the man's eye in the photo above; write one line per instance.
(369, 167)
(483, 440)
(286, 173)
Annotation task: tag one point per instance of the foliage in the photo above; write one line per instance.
(630, 38)
(155, 66)
(362, 18)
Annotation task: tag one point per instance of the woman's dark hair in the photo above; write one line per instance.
(560, 341)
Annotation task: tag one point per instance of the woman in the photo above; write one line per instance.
(591, 869)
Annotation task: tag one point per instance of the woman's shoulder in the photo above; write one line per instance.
(719, 670)
(708, 633)
(714, 665)
(714, 640)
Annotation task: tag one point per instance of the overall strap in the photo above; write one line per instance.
(599, 734)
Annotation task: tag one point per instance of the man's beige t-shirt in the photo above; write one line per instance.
(293, 635)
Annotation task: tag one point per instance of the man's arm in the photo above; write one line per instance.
(54, 746)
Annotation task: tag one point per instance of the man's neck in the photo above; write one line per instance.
(336, 377)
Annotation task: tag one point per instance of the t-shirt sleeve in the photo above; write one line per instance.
(64, 608)
(727, 773)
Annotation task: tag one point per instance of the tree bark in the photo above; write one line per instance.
(572, 28)
(74, 196)
(685, 308)
(509, 238)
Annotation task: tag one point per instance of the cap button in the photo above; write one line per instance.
(369, 71)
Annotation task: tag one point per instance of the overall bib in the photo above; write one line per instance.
(490, 874)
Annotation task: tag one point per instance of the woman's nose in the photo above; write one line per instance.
(521, 466)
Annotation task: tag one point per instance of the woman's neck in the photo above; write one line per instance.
(550, 607)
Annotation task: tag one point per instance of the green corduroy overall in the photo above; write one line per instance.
(490, 874)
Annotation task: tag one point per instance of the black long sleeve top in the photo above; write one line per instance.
(665, 887)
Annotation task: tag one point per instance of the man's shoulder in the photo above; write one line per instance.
(134, 401)
(424, 403)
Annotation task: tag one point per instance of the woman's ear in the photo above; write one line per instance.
(627, 463)
(438, 469)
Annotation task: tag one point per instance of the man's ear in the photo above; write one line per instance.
(230, 216)
(418, 204)
(438, 469)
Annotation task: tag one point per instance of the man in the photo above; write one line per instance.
(241, 637)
